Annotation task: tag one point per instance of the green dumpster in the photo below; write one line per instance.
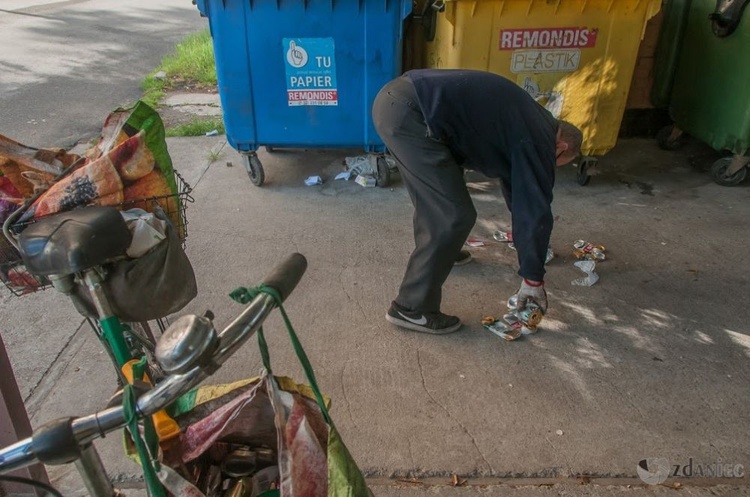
(709, 97)
(675, 14)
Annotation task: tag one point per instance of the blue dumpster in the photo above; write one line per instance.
(303, 73)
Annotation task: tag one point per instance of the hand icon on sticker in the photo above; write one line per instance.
(296, 55)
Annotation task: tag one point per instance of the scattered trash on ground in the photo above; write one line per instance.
(314, 180)
(160, 75)
(229, 164)
(366, 181)
(412, 481)
(589, 251)
(559, 433)
(588, 254)
(515, 323)
(360, 164)
(503, 236)
(475, 242)
(456, 481)
(501, 329)
(214, 132)
(361, 168)
(587, 267)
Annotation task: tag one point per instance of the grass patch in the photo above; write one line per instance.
(191, 65)
(197, 127)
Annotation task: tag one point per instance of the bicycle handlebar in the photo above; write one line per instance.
(84, 430)
(285, 276)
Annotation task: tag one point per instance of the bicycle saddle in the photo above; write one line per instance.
(71, 242)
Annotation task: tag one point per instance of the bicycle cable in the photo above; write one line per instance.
(28, 481)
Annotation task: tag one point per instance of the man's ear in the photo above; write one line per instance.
(563, 145)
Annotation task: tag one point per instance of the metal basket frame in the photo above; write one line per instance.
(11, 263)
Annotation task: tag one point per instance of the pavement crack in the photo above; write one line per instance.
(567, 461)
(346, 397)
(194, 104)
(411, 452)
(717, 450)
(29, 14)
(31, 405)
(32, 10)
(455, 420)
(626, 398)
(348, 296)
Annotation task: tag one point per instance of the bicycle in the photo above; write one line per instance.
(189, 351)
(74, 252)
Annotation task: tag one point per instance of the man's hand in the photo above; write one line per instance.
(532, 290)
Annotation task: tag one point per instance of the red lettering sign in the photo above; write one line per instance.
(514, 39)
(313, 97)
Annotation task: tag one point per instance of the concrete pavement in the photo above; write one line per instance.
(652, 361)
(66, 64)
(649, 362)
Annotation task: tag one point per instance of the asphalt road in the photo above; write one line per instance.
(65, 65)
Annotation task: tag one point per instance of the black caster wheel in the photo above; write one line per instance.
(666, 140)
(719, 173)
(384, 172)
(583, 177)
(254, 168)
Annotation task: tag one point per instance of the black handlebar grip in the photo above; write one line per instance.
(55, 443)
(285, 276)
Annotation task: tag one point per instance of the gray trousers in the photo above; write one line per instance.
(443, 211)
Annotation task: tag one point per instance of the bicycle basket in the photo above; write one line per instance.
(20, 282)
(129, 167)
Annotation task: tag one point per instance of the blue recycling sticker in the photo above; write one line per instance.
(310, 71)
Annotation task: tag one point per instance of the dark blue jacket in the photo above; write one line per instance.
(495, 127)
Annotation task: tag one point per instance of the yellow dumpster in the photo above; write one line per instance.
(576, 57)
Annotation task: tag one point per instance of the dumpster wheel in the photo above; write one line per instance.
(582, 177)
(720, 176)
(254, 168)
(384, 172)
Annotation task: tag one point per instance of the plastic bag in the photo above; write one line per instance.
(587, 266)
(267, 414)
(159, 283)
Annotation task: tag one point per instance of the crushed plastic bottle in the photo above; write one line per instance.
(587, 266)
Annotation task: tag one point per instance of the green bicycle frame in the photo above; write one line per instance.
(113, 337)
